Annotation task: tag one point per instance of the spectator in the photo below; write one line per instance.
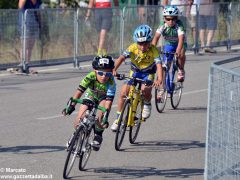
(141, 9)
(207, 24)
(192, 17)
(103, 17)
(32, 28)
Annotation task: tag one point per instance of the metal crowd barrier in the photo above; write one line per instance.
(222, 159)
(63, 36)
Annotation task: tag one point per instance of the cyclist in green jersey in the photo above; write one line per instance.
(99, 85)
(173, 32)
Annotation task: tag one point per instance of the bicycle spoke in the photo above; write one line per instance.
(176, 95)
(160, 102)
(72, 153)
(86, 150)
(133, 133)
(122, 125)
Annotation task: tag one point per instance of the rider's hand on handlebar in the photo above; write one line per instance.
(68, 110)
(157, 83)
(105, 125)
(178, 53)
(114, 72)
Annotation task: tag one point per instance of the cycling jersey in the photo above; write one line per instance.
(143, 62)
(97, 90)
(170, 34)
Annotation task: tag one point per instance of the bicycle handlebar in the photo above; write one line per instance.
(137, 80)
(86, 101)
(167, 53)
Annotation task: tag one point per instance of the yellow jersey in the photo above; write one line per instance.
(143, 62)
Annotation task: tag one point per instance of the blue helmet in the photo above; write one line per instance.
(143, 33)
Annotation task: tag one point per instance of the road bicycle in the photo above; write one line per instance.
(172, 88)
(81, 143)
(131, 115)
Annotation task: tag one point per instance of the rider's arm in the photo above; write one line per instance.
(119, 62)
(84, 84)
(180, 44)
(156, 38)
(158, 33)
(159, 72)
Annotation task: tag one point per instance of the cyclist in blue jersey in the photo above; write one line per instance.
(174, 36)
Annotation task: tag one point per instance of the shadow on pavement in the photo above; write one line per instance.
(141, 172)
(31, 149)
(161, 146)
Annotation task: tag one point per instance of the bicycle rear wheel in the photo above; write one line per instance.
(160, 103)
(122, 125)
(86, 149)
(73, 152)
(134, 130)
(176, 95)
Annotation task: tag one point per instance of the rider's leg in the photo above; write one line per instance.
(121, 100)
(80, 115)
(181, 63)
(147, 92)
(162, 86)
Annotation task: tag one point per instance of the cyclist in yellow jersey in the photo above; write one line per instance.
(145, 62)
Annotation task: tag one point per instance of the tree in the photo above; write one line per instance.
(6, 4)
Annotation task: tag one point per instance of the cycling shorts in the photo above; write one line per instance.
(140, 75)
(169, 49)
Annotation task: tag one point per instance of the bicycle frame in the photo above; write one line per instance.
(85, 128)
(134, 100)
(169, 76)
(92, 106)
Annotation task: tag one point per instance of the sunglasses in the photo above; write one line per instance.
(143, 43)
(106, 74)
(170, 19)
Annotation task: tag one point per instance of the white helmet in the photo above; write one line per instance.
(170, 11)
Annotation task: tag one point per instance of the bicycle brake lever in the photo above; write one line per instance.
(120, 76)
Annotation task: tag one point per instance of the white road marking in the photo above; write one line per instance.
(48, 70)
(115, 105)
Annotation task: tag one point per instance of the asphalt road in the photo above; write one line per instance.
(33, 133)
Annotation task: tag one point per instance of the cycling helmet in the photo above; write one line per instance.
(103, 62)
(143, 33)
(170, 11)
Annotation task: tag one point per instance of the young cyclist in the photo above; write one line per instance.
(100, 85)
(145, 60)
(173, 32)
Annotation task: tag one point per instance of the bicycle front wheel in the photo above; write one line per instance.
(176, 95)
(122, 125)
(86, 149)
(160, 102)
(134, 130)
(73, 152)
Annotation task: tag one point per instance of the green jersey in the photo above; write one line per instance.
(170, 34)
(96, 89)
